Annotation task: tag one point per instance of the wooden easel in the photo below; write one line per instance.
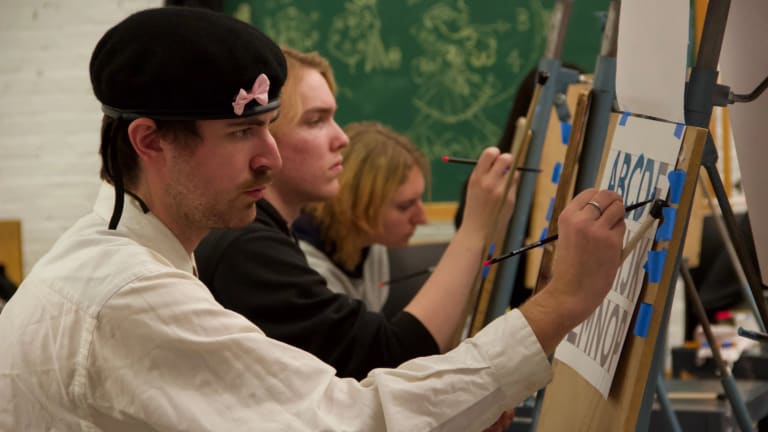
(702, 94)
(10, 249)
(559, 79)
(570, 402)
(490, 296)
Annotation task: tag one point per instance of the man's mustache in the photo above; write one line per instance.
(261, 177)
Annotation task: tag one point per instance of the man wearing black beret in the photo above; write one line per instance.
(112, 330)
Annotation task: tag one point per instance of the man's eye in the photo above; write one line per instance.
(241, 133)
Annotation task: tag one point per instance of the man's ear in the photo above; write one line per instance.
(145, 140)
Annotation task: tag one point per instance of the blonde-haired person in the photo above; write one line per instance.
(379, 205)
(112, 331)
(261, 272)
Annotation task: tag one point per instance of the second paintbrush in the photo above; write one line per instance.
(465, 161)
(555, 237)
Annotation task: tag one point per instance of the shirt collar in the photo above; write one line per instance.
(145, 228)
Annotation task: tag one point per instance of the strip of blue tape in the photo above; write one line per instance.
(643, 319)
(544, 233)
(655, 265)
(679, 128)
(676, 181)
(550, 208)
(486, 269)
(565, 132)
(558, 168)
(624, 116)
(665, 230)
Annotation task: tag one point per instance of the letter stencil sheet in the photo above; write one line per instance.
(642, 152)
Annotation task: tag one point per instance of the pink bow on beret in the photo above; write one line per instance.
(259, 92)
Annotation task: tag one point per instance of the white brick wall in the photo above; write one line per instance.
(49, 118)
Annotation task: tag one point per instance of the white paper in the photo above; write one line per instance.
(651, 57)
(743, 65)
(642, 153)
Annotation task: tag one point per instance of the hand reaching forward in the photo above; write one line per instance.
(591, 232)
(486, 202)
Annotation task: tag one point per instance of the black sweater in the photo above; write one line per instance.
(260, 272)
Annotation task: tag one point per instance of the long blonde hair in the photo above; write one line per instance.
(376, 163)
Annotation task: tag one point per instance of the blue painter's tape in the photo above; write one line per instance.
(665, 230)
(679, 128)
(550, 208)
(556, 172)
(624, 116)
(565, 132)
(655, 265)
(544, 233)
(643, 319)
(676, 181)
(486, 269)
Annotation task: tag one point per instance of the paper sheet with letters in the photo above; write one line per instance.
(642, 153)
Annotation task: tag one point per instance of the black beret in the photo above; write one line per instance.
(178, 63)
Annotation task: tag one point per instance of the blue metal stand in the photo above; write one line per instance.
(559, 79)
(666, 406)
(729, 384)
(602, 97)
(702, 92)
(603, 94)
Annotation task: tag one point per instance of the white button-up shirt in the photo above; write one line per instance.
(112, 332)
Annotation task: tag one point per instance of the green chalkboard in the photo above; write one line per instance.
(443, 73)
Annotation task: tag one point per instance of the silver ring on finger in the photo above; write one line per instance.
(597, 206)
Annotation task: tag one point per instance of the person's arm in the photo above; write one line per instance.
(587, 258)
(263, 275)
(164, 355)
(440, 303)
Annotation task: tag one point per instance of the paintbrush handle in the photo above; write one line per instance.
(635, 239)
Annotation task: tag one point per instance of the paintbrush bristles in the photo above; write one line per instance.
(465, 161)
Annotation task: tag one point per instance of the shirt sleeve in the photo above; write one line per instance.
(263, 275)
(166, 356)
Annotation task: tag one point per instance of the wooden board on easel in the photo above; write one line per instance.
(553, 153)
(571, 402)
(10, 249)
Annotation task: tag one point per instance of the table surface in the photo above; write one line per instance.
(701, 404)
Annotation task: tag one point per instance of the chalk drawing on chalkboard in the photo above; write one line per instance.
(286, 23)
(355, 38)
(456, 73)
(382, 56)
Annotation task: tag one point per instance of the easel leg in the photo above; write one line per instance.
(651, 389)
(729, 384)
(699, 98)
(729, 247)
(537, 408)
(666, 405)
(751, 273)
